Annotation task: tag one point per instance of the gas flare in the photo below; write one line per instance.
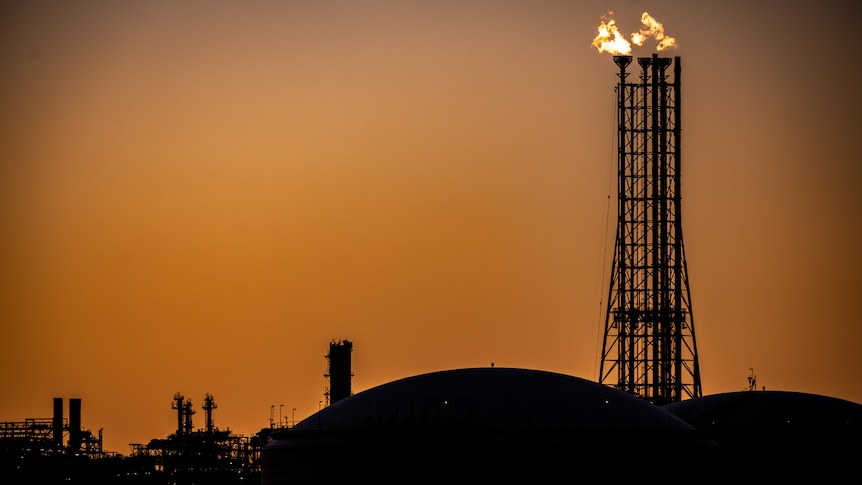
(609, 38)
(653, 28)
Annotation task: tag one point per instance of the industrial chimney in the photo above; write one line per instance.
(75, 435)
(57, 423)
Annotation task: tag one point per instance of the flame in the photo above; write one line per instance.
(611, 40)
(652, 28)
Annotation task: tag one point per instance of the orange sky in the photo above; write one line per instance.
(197, 197)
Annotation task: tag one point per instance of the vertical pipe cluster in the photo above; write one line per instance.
(648, 344)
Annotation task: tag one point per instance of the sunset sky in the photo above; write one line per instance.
(198, 196)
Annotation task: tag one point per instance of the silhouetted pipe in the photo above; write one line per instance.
(57, 423)
(178, 405)
(74, 425)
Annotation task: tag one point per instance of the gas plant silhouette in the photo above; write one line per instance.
(647, 411)
(645, 417)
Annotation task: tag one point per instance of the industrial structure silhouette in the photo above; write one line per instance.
(645, 418)
(649, 344)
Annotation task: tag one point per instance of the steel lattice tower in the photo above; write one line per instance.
(648, 345)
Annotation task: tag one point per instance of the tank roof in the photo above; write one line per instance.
(495, 397)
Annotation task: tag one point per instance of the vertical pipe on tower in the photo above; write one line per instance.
(623, 330)
(679, 316)
(642, 167)
(617, 317)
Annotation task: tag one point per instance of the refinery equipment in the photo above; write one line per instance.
(202, 455)
(648, 348)
(55, 448)
(339, 372)
(55, 435)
